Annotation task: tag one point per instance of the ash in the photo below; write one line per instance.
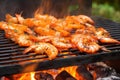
(112, 77)
(104, 72)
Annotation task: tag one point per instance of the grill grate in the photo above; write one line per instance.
(12, 61)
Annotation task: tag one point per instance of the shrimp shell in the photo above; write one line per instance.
(42, 48)
(109, 40)
(85, 43)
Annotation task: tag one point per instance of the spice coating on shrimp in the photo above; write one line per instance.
(85, 43)
(41, 48)
(104, 36)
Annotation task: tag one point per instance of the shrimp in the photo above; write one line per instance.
(85, 43)
(30, 22)
(88, 47)
(24, 40)
(41, 38)
(19, 18)
(62, 31)
(48, 18)
(109, 40)
(37, 21)
(12, 29)
(44, 31)
(3, 25)
(84, 31)
(85, 19)
(80, 19)
(17, 34)
(61, 43)
(11, 19)
(73, 20)
(42, 48)
(19, 28)
(104, 36)
(21, 39)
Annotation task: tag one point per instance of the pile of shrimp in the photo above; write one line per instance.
(45, 34)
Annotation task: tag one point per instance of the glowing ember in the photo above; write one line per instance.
(95, 71)
(54, 72)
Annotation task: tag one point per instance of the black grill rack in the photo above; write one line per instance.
(12, 61)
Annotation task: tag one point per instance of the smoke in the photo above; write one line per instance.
(57, 8)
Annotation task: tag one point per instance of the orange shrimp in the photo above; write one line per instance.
(85, 43)
(48, 18)
(17, 34)
(19, 28)
(80, 19)
(3, 25)
(19, 18)
(61, 43)
(73, 20)
(88, 47)
(44, 31)
(24, 40)
(11, 19)
(109, 40)
(30, 22)
(41, 38)
(21, 39)
(101, 32)
(104, 36)
(71, 23)
(85, 19)
(41, 48)
(61, 31)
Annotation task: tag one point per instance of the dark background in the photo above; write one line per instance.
(60, 8)
(57, 8)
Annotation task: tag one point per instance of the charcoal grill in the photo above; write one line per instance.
(12, 61)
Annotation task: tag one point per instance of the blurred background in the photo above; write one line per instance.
(109, 9)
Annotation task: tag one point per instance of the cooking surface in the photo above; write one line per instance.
(12, 60)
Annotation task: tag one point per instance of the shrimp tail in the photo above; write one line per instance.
(42, 48)
(109, 40)
(104, 49)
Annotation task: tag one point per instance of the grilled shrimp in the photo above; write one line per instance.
(85, 43)
(48, 18)
(11, 19)
(17, 34)
(19, 28)
(73, 20)
(38, 20)
(44, 31)
(87, 47)
(42, 48)
(58, 42)
(104, 36)
(85, 19)
(61, 43)
(19, 18)
(41, 38)
(109, 40)
(24, 40)
(21, 39)
(61, 31)
(3, 25)
(80, 19)
(30, 22)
